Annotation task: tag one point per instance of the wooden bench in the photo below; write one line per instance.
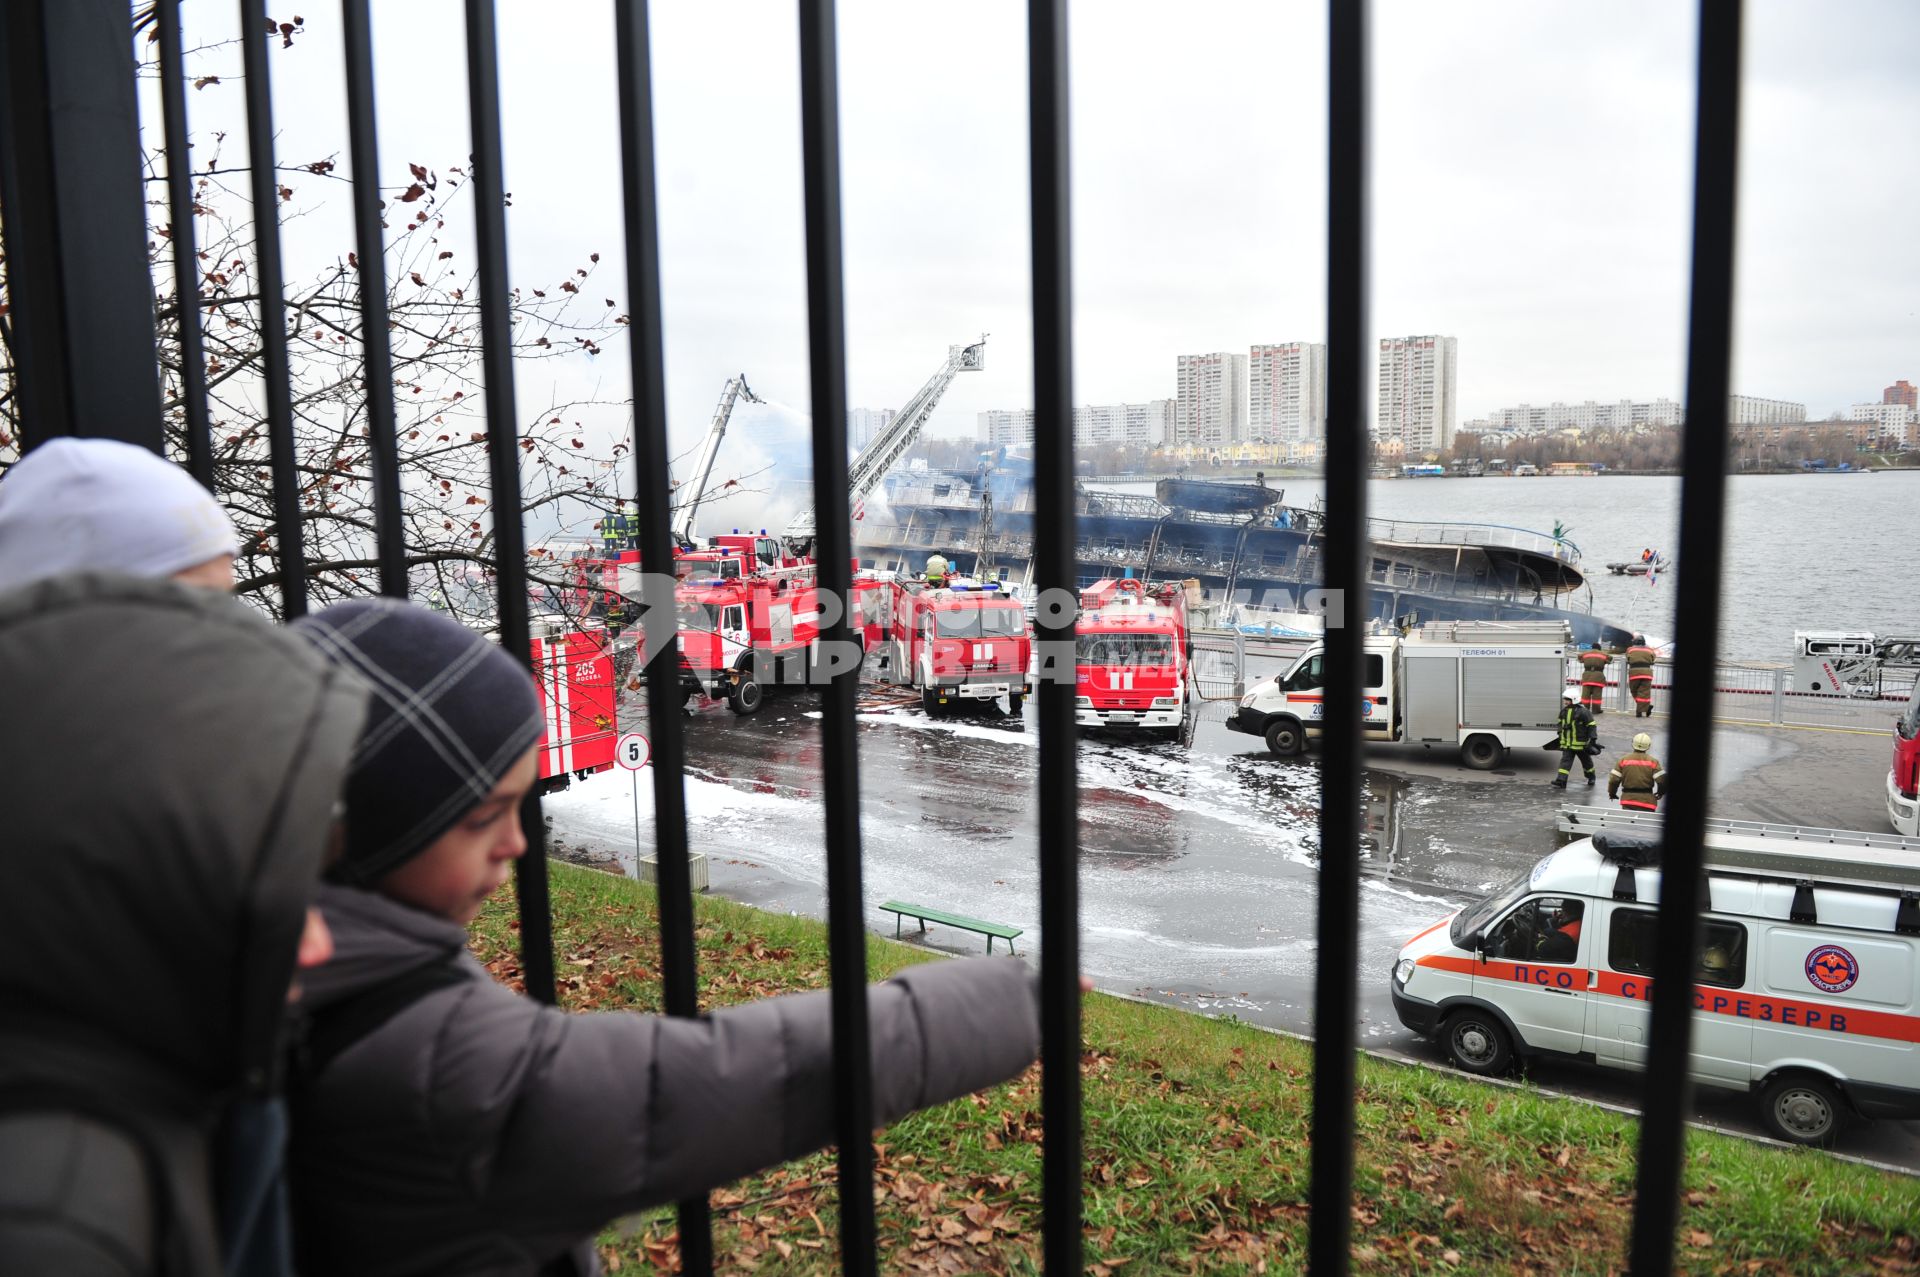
(991, 930)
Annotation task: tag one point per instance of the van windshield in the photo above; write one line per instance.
(1909, 724)
(1476, 917)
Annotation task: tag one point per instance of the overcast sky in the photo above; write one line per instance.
(1531, 196)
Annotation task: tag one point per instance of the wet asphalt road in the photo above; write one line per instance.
(1198, 860)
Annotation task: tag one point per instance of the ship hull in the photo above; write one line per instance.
(1419, 572)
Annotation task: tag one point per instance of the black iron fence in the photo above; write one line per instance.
(81, 310)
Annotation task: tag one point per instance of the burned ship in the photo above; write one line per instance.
(1242, 542)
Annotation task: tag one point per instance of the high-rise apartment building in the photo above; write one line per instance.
(863, 424)
(1895, 423)
(1211, 402)
(1002, 425)
(1418, 393)
(1902, 391)
(1287, 392)
(1535, 419)
(1751, 410)
(1134, 425)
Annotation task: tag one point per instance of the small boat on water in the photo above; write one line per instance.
(1641, 567)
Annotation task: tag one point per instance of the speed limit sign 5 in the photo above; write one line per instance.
(632, 752)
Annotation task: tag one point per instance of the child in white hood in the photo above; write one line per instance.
(74, 505)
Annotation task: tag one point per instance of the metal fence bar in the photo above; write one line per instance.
(270, 279)
(1054, 574)
(652, 480)
(833, 554)
(1337, 926)
(77, 278)
(1667, 1094)
(503, 443)
(180, 235)
(375, 341)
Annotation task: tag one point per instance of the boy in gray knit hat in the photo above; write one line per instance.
(442, 1122)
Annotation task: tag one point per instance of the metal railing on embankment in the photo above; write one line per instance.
(1762, 694)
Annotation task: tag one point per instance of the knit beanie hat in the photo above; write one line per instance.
(449, 714)
(73, 505)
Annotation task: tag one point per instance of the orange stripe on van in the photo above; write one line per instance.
(1831, 1017)
(1430, 930)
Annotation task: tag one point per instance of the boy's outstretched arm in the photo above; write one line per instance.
(618, 1112)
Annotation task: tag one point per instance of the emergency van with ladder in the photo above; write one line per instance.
(1132, 654)
(965, 641)
(1807, 993)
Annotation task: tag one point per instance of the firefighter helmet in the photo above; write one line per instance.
(1643, 742)
(1571, 694)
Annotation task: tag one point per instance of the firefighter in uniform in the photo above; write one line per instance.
(1577, 739)
(1637, 780)
(1640, 662)
(1593, 678)
(617, 531)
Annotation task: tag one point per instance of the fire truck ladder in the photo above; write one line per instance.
(1896, 653)
(689, 508)
(1153, 545)
(1233, 570)
(983, 561)
(880, 456)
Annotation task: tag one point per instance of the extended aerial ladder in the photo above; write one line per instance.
(881, 455)
(1852, 663)
(689, 507)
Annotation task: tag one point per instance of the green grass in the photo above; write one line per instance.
(1196, 1146)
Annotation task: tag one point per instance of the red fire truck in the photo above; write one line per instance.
(1903, 780)
(749, 619)
(574, 672)
(966, 641)
(1132, 652)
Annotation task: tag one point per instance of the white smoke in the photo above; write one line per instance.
(764, 473)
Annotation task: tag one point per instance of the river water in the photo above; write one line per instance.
(1803, 551)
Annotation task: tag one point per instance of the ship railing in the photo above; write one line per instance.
(1487, 535)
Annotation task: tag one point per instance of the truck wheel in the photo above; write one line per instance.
(1802, 1109)
(1476, 1042)
(1286, 737)
(1482, 753)
(745, 697)
(930, 702)
(1014, 704)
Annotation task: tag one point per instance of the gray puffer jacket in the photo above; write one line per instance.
(170, 763)
(476, 1131)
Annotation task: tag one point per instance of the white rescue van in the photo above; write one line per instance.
(1484, 687)
(1807, 992)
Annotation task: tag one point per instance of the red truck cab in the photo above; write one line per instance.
(740, 634)
(959, 642)
(1131, 656)
(1903, 779)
